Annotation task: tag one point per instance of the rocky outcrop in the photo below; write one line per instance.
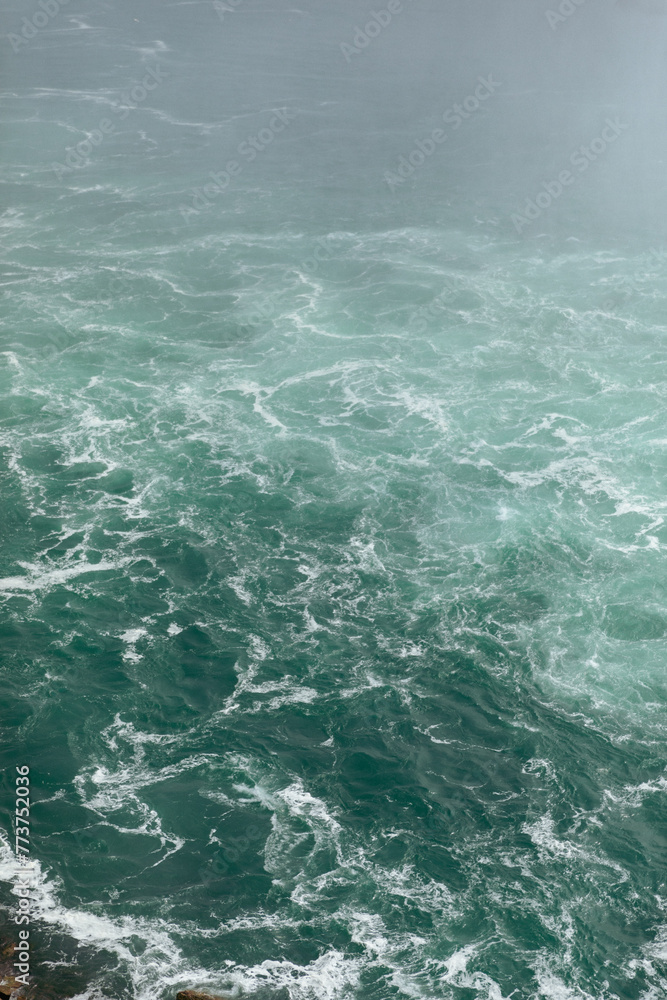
(8, 985)
(197, 995)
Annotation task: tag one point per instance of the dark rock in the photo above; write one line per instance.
(9, 987)
(197, 995)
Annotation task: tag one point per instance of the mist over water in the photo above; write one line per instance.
(332, 456)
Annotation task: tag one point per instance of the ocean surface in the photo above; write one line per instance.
(332, 599)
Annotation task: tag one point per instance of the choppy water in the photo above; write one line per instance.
(333, 601)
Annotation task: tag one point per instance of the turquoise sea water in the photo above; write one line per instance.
(333, 600)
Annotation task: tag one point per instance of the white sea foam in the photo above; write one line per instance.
(332, 976)
(39, 578)
(132, 634)
(633, 796)
(162, 960)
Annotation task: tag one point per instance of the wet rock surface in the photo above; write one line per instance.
(198, 995)
(9, 987)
